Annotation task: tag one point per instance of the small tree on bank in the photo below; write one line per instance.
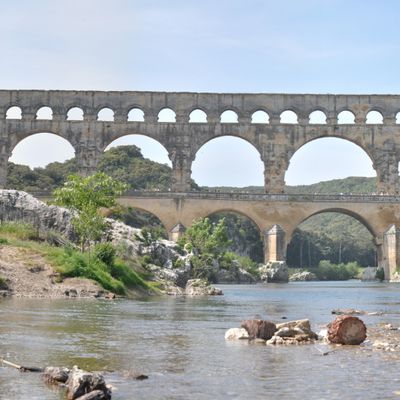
(85, 196)
(208, 242)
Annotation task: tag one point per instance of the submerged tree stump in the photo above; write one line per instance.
(347, 329)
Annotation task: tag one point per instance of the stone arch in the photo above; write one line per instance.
(14, 112)
(374, 117)
(289, 116)
(260, 117)
(300, 146)
(346, 117)
(44, 113)
(105, 114)
(341, 210)
(233, 210)
(317, 116)
(166, 114)
(135, 114)
(247, 155)
(75, 113)
(335, 254)
(59, 149)
(147, 144)
(164, 222)
(198, 115)
(229, 116)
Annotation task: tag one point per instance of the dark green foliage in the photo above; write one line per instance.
(327, 271)
(124, 163)
(105, 252)
(334, 237)
(3, 283)
(380, 274)
(208, 242)
(244, 236)
(3, 241)
(246, 263)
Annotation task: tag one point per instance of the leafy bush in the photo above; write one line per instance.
(116, 276)
(3, 241)
(105, 252)
(328, 271)
(178, 263)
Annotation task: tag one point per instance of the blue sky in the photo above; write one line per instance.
(315, 46)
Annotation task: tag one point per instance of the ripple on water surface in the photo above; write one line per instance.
(179, 343)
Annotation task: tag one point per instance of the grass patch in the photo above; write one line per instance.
(115, 275)
(101, 266)
(18, 230)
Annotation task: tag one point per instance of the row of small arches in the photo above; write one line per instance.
(199, 116)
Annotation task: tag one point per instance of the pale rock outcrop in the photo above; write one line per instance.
(368, 274)
(199, 287)
(274, 271)
(236, 334)
(17, 205)
(303, 276)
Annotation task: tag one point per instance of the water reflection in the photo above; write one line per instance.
(179, 343)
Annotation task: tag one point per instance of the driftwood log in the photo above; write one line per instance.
(347, 329)
(259, 329)
(20, 367)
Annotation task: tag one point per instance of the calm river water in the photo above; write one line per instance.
(179, 343)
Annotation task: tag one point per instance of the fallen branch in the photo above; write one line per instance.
(20, 367)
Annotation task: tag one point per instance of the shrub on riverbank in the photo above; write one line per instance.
(327, 271)
(101, 265)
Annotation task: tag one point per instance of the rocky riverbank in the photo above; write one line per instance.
(24, 272)
(28, 274)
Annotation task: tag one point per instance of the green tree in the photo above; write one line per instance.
(84, 196)
(208, 242)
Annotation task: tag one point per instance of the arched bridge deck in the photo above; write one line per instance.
(276, 215)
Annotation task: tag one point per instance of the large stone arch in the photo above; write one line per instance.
(367, 150)
(110, 135)
(237, 212)
(19, 136)
(150, 139)
(258, 166)
(341, 210)
(249, 136)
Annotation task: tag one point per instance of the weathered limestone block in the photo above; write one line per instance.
(275, 272)
(199, 287)
(236, 334)
(304, 276)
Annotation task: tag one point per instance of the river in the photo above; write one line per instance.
(179, 343)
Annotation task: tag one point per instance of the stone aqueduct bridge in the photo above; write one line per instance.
(275, 214)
